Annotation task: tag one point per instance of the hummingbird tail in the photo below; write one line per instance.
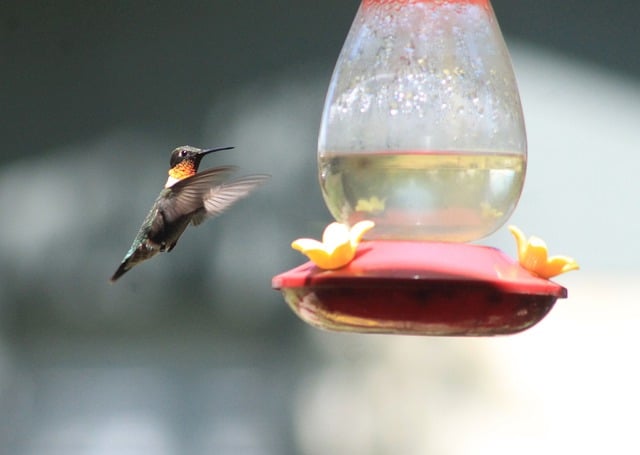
(124, 268)
(140, 251)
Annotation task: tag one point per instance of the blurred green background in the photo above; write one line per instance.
(193, 353)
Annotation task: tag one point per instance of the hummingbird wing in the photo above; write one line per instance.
(205, 195)
(220, 198)
(186, 196)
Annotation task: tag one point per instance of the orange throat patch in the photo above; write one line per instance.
(180, 171)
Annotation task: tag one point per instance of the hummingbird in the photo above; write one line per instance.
(188, 197)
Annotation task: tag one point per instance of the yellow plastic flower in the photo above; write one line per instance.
(338, 246)
(373, 204)
(533, 256)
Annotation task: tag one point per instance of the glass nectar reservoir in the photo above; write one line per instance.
(422, 130)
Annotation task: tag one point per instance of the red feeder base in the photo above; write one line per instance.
(421, 288)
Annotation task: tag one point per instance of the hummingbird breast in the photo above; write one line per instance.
(167, 223)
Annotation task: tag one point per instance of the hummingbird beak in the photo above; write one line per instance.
(217, 149)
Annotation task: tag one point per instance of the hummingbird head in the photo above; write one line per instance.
(185, 161)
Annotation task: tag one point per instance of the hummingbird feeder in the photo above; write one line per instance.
(422, 148)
